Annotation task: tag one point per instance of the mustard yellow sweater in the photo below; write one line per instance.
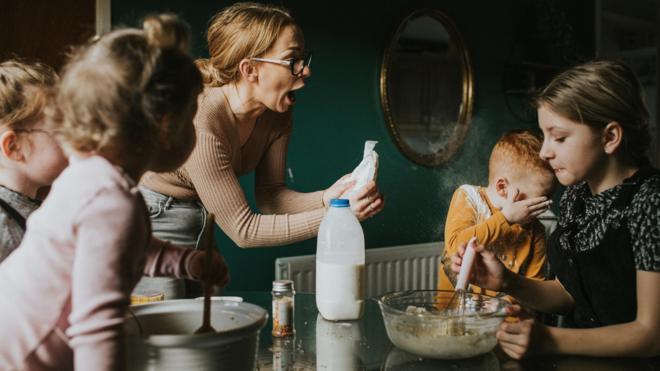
(520, 248)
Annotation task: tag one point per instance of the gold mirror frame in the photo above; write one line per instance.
(465, 111)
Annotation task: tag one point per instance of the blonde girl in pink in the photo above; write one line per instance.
(127, 103)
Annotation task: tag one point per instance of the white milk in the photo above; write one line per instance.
(340, 264)
(339, 290)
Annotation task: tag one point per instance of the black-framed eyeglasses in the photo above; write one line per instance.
(296, 65)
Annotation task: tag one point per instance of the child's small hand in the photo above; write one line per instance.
(487, 272)
(524, 211)
(522, 337)
(219, 273)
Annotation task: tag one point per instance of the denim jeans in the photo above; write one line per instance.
(181, 223)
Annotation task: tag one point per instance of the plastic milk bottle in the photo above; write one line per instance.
(340, 264)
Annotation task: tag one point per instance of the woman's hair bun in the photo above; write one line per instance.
(166, 31)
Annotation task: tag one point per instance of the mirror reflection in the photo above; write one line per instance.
(426, 88)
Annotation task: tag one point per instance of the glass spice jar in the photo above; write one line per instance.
(283, 308)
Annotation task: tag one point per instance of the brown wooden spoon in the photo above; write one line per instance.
(207, 239)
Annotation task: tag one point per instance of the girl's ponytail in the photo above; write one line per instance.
(116, 91)
(166, 31)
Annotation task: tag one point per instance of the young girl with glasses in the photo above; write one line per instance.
(605, 252)
(257, 64)
(126, 103)
(30, 158)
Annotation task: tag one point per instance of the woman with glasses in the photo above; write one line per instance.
(244, 120)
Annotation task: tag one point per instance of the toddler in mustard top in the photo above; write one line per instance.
(503, 214)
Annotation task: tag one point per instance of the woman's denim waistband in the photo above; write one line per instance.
(153, 197)
(180, 222)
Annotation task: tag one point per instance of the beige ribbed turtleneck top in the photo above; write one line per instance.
(211, 175)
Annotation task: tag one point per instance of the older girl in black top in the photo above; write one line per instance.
(606, 251)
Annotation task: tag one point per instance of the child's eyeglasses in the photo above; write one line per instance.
(29, 131)
(296, 65)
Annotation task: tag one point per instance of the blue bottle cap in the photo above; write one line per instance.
(339, 202)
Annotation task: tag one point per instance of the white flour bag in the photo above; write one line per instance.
(366, 171)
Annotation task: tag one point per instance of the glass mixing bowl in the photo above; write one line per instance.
(428, 323)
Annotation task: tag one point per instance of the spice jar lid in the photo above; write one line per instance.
(282, 285)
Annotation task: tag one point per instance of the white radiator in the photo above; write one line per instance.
(406, 267)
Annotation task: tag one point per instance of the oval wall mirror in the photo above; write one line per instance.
(426, 87)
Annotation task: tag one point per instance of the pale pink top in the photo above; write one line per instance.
(67, 287)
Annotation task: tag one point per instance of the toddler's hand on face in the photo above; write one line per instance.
(524, 211)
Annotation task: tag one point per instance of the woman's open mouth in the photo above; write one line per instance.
(292, 96)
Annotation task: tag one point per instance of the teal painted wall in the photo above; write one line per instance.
(340, 108)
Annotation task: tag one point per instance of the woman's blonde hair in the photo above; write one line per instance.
(24, 92)
(240, 31)
(116, 90)
(597, 93)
